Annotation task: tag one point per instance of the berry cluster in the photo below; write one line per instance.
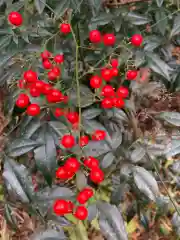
(32, 86)
(72, 165)
(35, 87)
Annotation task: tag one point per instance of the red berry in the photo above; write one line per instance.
(99, 135)
(88, 191)
(45, 55)
(54, 95)
(114, 72)
(33, 109)
(137, 40)
(21, 83)
(106, 74)
(58, 112)
(70, 206)
(83, 141)
(73, 117)
(61, 173)
(91, 162)
(35, 92)
(72, 165)
(47, 88)
(84, 195)
(70, 174)
(47, 64)
(95, 36)
(118, 102)
(61, 207)
(114, 63)
(97, 175)
(131, 74)
(81, 213)
(68, 141)
(22, 101)
(52, 75)
(95, 81)
(107, 91)
(15, 18)
(65, 28)
(59, 58)
(123, 92)
(39, 85)
(30, 76)
(57, 71)
(107, 103)
(109, 39)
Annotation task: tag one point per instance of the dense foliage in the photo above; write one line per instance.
(77, 75)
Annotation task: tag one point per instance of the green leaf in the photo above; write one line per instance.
(102, 19)
(33, 125)
(53, 193)
(171, 117)
(161, 21)
(18, 179)
(176, 26)
(113, 215)
(173, 148)
(107, 160)
(5, 41)
(146, 182)
(116, 139)
(21, 146)
(59, 128)
(96, 148)
(91, 125)
(40, 5)
(86, 96)
(137, 154)
(137, 19)
(158, 65)
(91, 113)
(61, 8)
(152, 42)
(81, 180)
(49, 234)
(107, 229)
(159, 2)
(10, 218)
(45, 155)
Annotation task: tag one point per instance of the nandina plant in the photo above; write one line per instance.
(77, 73)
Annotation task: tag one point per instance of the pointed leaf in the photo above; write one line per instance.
(171, 117)
(176, 26)
(114, 218)
(49, 234)
(146, 182)
(40, 5)
(21, 146)
(158, 65)
(61, 8)
(19, 179)
(173, 148)
(91, 113)
(107, 160)
(96, 148)
(159, 2)
(137, 154)
(161, 21)
(137, 19)
(45, 155)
